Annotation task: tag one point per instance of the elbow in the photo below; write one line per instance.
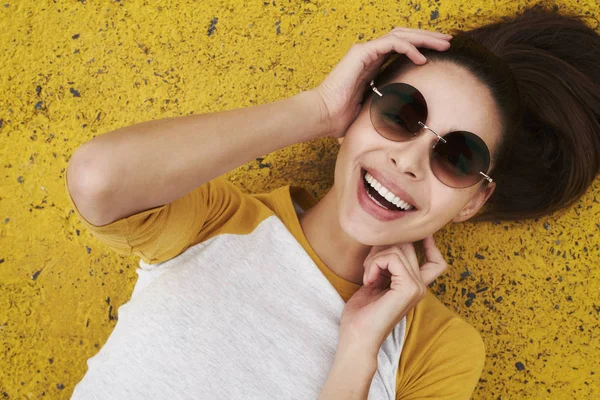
(87, 184)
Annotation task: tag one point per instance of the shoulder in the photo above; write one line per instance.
(431, 316)
(443, 355)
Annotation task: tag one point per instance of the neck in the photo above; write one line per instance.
(342, 254)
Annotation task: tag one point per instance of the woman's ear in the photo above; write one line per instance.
(475, 203)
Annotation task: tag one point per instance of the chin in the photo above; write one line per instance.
(363, 233)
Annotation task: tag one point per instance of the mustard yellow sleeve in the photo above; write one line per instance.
(443, 355)
(163, 232)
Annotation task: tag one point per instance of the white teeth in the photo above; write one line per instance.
(386, 193)
(375, 200)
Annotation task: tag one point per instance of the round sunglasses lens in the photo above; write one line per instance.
(457, 162)
(397, 113)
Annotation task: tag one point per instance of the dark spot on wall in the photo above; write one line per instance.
(88, 249)
(466, 274)
(77, 232)
(75, 92)
(442, 288)
(479, 256)
(51, 360)
(213, 26)
(278, 27)
(38, 90)
(434, 14)
(520, 366)
(36, 274)
(75, 36)
(60, 386)
(1, 260)
(499, 299)
(546, 226)
(110, 314)
(38, 105)
(20, 179)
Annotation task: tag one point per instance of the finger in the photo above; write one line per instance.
(376, 251)
(378, 265)
(423, 31)
(368, 263)
(403, 298)
(388, 43)
(366, 273)
(435, 265)
(374, 269)
(432, 253)
(409, 250)
(369, 266)
(405, 267)
(420, 40)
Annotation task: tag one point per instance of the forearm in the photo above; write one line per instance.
(155, 162)
(350, 376)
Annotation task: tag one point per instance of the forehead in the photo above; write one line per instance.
(456, 100)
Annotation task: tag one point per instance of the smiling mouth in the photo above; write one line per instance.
(383, 197)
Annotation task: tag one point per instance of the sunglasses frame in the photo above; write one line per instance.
(439, 138)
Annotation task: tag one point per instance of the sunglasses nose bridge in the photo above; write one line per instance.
(439, 138)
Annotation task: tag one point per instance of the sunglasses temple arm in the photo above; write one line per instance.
(490, 180)
(372, 84)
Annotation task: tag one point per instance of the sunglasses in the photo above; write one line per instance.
(458, 159)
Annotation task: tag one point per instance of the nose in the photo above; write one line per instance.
(411, 157)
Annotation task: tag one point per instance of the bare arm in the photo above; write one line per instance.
(350, 376)
(152, 163)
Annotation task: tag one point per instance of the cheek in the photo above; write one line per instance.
(446, 203)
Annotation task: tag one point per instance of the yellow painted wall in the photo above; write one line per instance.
(70, 70)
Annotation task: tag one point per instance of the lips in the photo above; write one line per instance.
(374, 210)
(390, 185)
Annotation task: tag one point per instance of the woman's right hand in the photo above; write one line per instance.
(341, 92)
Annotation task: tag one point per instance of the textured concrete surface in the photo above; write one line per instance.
(72, 70)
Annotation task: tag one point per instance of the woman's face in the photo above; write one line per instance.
(456, 100)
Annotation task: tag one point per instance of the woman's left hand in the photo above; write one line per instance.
(393, 283)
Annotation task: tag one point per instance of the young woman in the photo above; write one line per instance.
(276, 295)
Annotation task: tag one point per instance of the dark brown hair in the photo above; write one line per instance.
(543, 70)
